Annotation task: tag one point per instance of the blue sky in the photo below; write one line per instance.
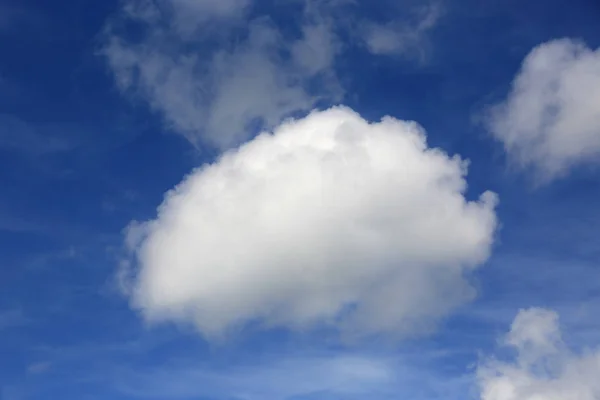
(245, 283)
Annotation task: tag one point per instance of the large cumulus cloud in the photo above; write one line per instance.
(329, 220)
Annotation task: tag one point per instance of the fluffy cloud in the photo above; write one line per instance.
(328, 221)
(216, 88)
(551, 118)
(544, 368)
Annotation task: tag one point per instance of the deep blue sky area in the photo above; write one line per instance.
(81, 157)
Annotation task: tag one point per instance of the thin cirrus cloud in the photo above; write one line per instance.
(189, 13)
(402, 38)
(550, 121)
(328, 221)
(315, 377)
(184, 16)
(544, 367)
(217, 95)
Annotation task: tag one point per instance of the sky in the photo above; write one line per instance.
(299, 199)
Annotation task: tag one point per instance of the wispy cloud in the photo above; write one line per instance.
(290, 376)
(550, 120)
(138, 369)
(12, 318)
(18, 135)
(13, 17)
(219, 82)
(406, 38)
(9, 222)
(219, 89)
(39, 367)
(322, 377)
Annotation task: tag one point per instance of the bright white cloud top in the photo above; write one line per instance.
(544, 369)
(551, 118)
(328, 221)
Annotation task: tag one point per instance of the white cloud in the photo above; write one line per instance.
(544, 368)
(217, 88)
(550, 121)
(400, 37)
(329, 220)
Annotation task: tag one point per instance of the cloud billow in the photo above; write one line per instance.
(328, 221)
(550, 120)
(544, 367)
